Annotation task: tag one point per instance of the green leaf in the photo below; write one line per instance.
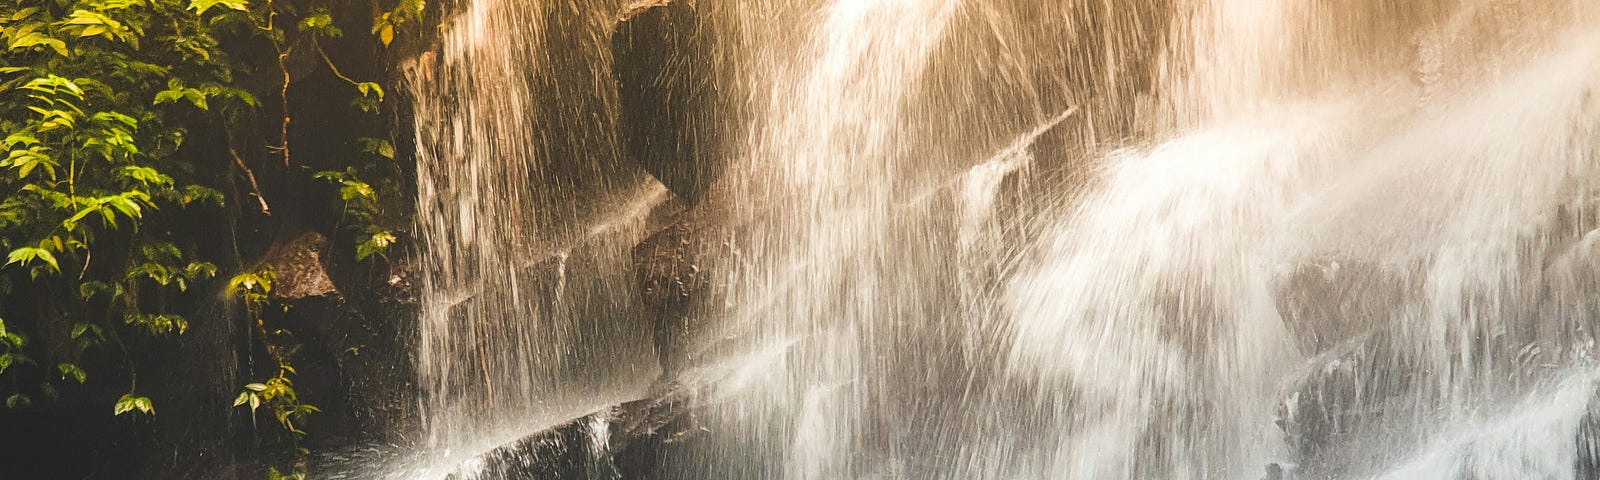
(176, 91)
(200, 270)
(23, 13)
(39, 39)
(26, 161)
(257, 282)
(157, 324)
(370, 89)
(18, 400)
(166, 96)
(320, 23)
(377, 147)
(115, 117)
(95, 23)
(71, 371)
(255, 387)
(125, 205)
(196, 98)
(196, 193)
(201, 6)
(27, 255)
(356, 190)
(20, 138)
(146, 175)
(376, 244)
(131, 403)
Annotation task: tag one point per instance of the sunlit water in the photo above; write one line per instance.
(525, 223)
(1026, 239)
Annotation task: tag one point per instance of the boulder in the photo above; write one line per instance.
(299, 268)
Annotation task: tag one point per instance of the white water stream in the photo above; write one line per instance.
(1026, 239)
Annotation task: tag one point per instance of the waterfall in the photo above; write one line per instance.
(1023, 239)
(525, 223)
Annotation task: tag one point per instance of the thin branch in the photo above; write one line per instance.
(255, 189)
(283, 95)
(87, 255)
(331, 66)
(283, 91)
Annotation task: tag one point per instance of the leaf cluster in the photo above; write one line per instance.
(99, 172)
(95, 173)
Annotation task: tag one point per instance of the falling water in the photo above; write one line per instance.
(1023, 239)
(525, 224)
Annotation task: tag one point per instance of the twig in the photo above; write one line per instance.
(283, 94)
(283, 91)
(255, 189)
(331, 66)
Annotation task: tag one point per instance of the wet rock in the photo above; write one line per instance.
(299, 268)
(575, 449)
(1274, 472)
(1587, 463)
(661, 66)
(674, 273)
(627, 441)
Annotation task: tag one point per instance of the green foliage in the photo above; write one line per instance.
(274, 474)
(176, 91)
(405, 11)
(202, 6)
(11, 345)
(360, 215)
(276, 393)
(376, 146)
(95, 172)
(72, 371)
(130, 403)
(34, 256)
(253, 286)
(377, 242)
(97, 102)
(321, 24)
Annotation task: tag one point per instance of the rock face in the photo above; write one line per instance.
(660, 61)
(353, 349)
(674, 268)
(661, 64)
